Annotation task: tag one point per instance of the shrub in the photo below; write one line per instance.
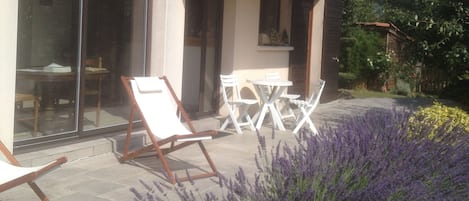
(436, 117)
(359, 44)
(367, 157)
(347, 80)
(459, 92)
(402, 88)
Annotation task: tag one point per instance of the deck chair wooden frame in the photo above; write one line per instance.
(176, 141)
(306, 107)
(14, 175)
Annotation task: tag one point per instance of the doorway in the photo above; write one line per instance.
(298, 71)
(201, 64)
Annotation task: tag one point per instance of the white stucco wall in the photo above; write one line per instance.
(167, 41)
(316, 41)
(8, 22)
(241, 54)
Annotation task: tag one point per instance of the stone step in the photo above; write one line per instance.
(108, 143)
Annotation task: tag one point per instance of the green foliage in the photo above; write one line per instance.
(440, 29)
(379, 66)
(359, 11)
(359, 45)
(459, 92)
(347, 80)
(402, 88)
(436, 117)
(363, 93)
(407, 73)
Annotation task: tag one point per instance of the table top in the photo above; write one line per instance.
(272, 82)
(41, 75)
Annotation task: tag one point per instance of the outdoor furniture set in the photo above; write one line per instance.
(159, 109)
(273, 100)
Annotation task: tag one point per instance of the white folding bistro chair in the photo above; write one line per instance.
(235, 103)
(284, 100)
(306, 107)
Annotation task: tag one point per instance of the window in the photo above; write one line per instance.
(274, 22)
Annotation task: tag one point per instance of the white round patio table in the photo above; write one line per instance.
(269, 91)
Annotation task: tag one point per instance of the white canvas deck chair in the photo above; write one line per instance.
(235, 104)
(12, 174)
(154, 100)
(284, 108)
(306, 107)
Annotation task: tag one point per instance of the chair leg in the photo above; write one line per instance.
(209, 160)
(290, 113)
(241, 120)
(36, 116)
(98, 105)
(98, 112)
(160, 155)
(313, 128)
(225, 123)
(235, 123)
(304, 118)
(38, 191)
(251, 124)
(244, 115)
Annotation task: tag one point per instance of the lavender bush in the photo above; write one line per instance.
(368, 157)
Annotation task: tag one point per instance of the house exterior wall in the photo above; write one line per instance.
(241, 54)
(167, 41)
(8, 35)
(317, 23)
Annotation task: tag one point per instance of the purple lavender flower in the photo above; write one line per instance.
(367, 157)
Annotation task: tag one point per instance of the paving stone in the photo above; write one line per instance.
(94, 173)
(81, 197)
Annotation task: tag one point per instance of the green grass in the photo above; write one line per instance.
(363, 93)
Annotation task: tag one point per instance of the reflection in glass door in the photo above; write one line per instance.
(47, 66)
(68, 82)
(115, 46)
(201, 55)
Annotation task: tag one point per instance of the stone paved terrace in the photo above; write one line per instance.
(94, 172)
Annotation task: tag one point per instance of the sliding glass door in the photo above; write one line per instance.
(202, 55)
(71, 54)
(115, 45)
(47, 65)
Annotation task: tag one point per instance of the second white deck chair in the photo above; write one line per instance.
(158, 106)
(235, 104)
(12, 174)
(306, 107)
(284, 108)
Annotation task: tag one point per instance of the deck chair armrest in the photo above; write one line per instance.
(204, 135)
(52, 165)
(18, 181)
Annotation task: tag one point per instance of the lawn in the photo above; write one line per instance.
(363, 93)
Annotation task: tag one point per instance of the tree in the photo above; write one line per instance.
(359, 11)
(440, 29)
(360, 46)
